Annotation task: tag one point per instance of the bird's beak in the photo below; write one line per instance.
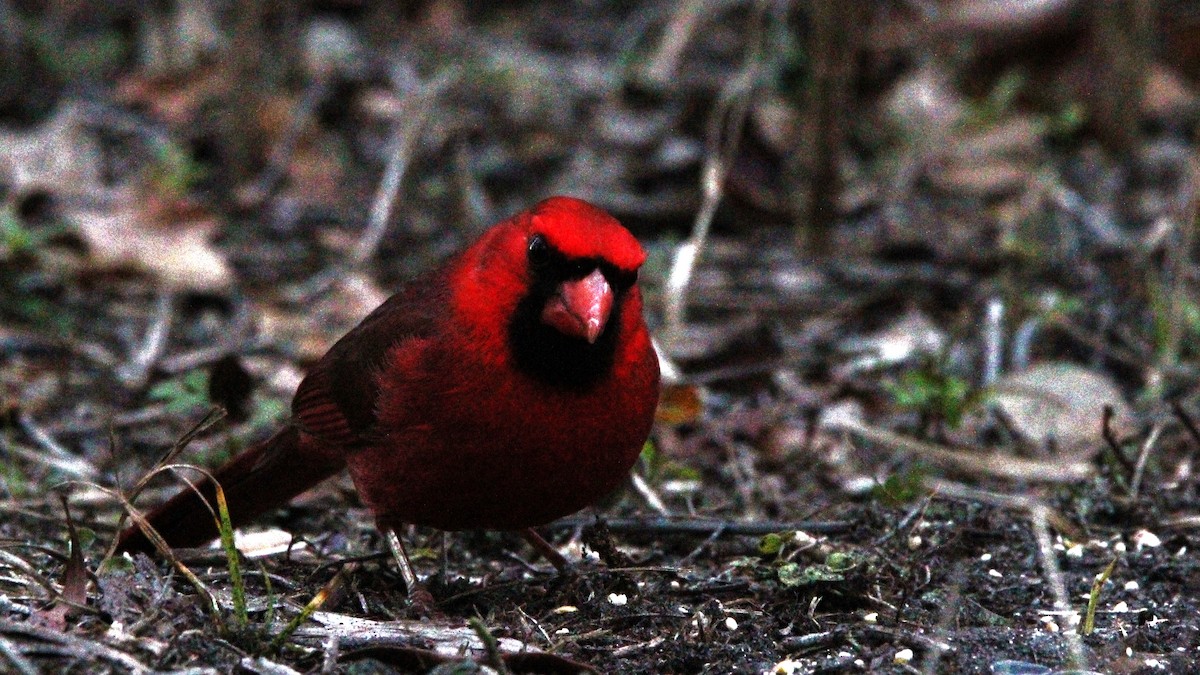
(580, 307)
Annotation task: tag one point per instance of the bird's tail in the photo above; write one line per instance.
(265, 476)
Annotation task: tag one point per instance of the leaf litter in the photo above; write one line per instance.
(815, 509)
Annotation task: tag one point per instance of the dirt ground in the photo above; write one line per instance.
(930, 393)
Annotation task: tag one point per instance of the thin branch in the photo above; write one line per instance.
(724, 135)
(705, 526)
(135, 373)
(676, 36)
(1139, 469)
(54, 454)
(1039, 516)
(1110, 438)
(272, 175)
(1187, 422)
(976, 461)
(403, 143)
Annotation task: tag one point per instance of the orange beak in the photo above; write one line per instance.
(581, 307)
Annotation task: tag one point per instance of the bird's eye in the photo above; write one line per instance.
(539, 251)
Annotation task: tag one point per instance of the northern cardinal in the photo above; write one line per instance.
(513, 385)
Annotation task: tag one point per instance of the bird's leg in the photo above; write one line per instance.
(548, 552)
(406, 571)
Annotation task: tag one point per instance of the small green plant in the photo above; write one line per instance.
(183, 395)
(15, 238)
(175, 172)
(836, 567)
(1089, 620)
(903, 487)
(999, 101)
(657, 468)
(937, 396)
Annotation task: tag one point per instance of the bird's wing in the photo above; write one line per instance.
(336, 402)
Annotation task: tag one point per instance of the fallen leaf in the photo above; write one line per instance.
(912, 335)
(167, 238)
(57, 156)
(1060, 401)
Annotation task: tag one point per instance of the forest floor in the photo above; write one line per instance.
(950, 429)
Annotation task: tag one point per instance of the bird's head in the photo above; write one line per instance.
(564, 274)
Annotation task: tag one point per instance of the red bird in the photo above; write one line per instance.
(513, 385)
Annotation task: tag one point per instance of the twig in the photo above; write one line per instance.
(55, 456)
(705, 526)
(1110, 439)
(712, 538)
(135, 373)
(213, 416)
(264, 666)
(977, 462)
(1039, 517)
(675, 38)
(1187, 422)
(1139, 469)
(993, 341)
(811, 641)
(915, 512)
(272, 175)
(724, 134)
(15, 659)
(952, 490)
(911, 637)
(400, 150)
(648, 494)
(74, 644)
(835, 38)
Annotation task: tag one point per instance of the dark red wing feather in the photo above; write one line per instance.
(336, 402)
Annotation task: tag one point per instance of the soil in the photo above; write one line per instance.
(944, 425)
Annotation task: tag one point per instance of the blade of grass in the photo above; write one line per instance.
(237, 583)
(1089, 619)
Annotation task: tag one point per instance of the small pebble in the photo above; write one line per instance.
(618, 599)
(785, 667)
(1131, 585)
(902, 657)
(995, 573)
(1145, 539)
(731, 623)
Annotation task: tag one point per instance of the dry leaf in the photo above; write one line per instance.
(58, 156)
(679, 404)
(995, 178)
(162, 237)
(1167, 95)
(913, 334)
(1060, 401)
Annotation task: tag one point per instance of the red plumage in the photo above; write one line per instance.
(513, 385)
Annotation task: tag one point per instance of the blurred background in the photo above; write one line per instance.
(916, 267)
